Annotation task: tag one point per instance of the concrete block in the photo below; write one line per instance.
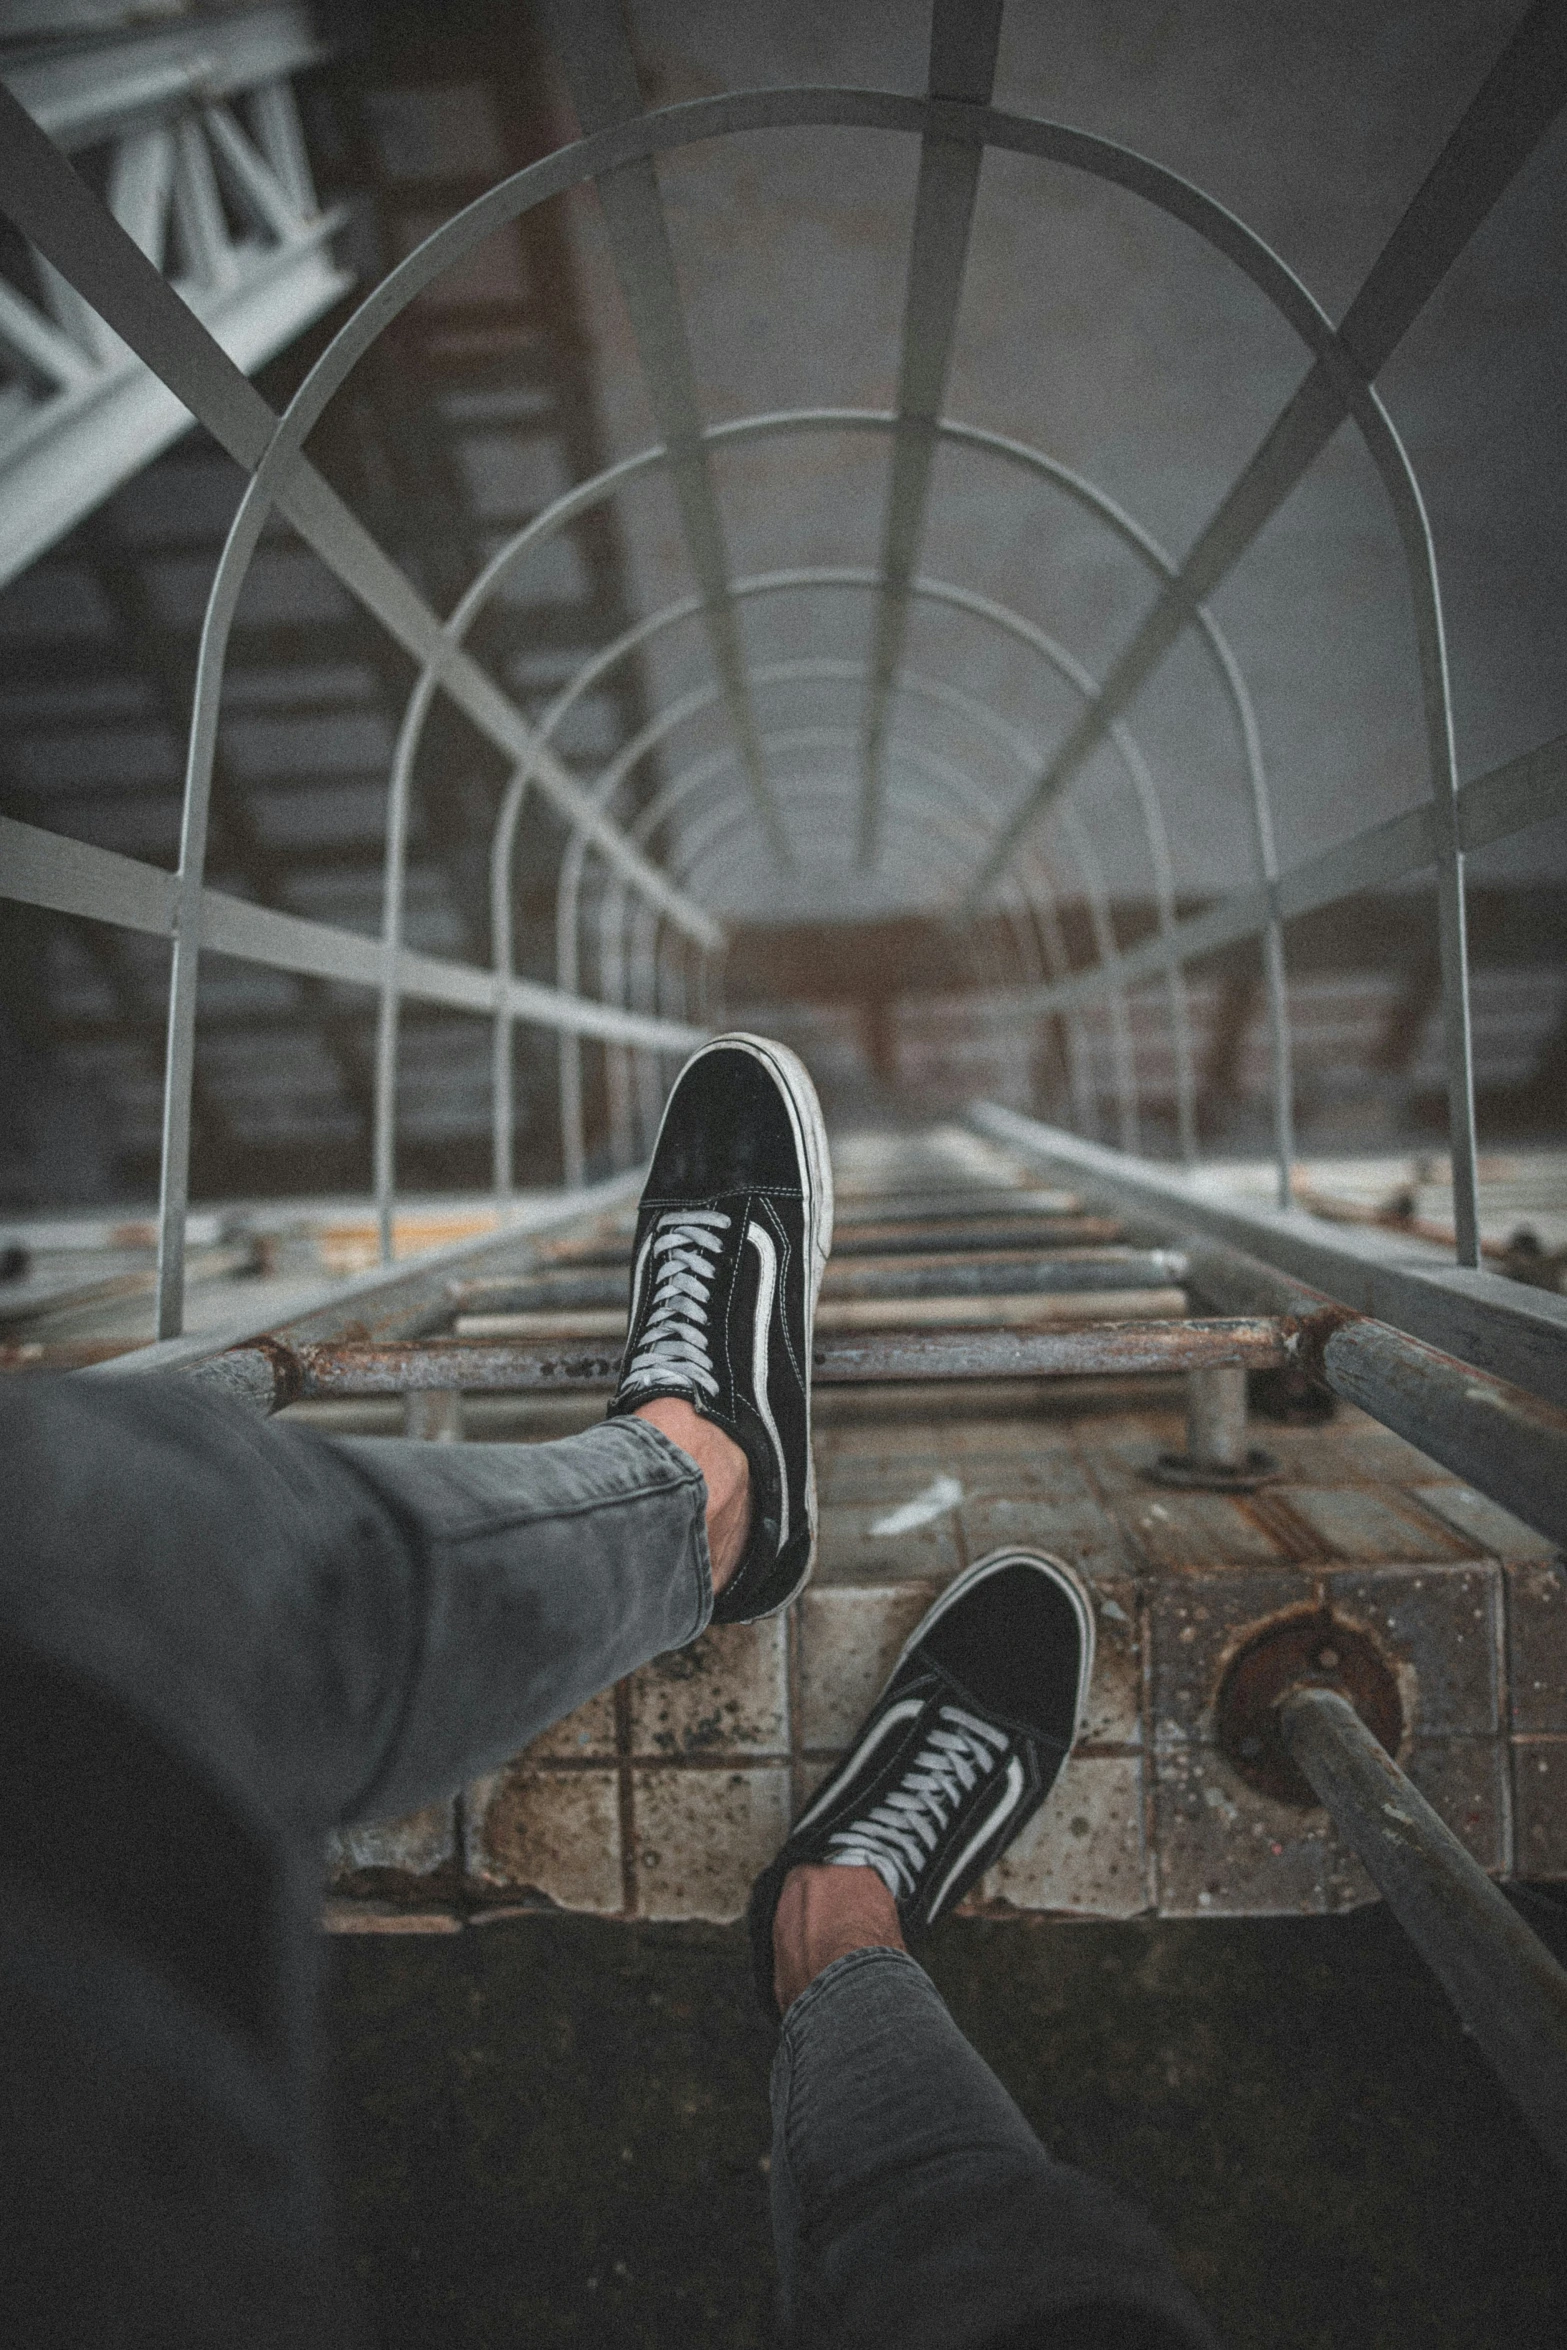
(725, 1694)
(1540, 1807)
(1224, 1851)
(587, 1735)
(1439, 1626)
(1351, 1523)
(1537, 1646)
(852, 1550)
(1193, 1532)
(702, 1836)
(1077, 1529)
(850, 1639)
(1195, 1622)
(1083, 1853)
(1463, 1781)
(548, 1831)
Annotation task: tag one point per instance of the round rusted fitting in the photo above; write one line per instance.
(1305, 1648)
(1179, 1469)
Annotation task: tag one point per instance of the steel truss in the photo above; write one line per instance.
(188, 119)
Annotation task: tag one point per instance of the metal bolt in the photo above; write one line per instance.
(1327, 1658)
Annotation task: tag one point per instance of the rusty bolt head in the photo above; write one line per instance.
(1301, 1646)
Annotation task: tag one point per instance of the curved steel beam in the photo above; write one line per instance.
(730, 817)
(1065, 665)
(584, 496)
(1343, 381)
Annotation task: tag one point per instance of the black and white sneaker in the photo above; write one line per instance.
(732, 1234)
(959, 1751)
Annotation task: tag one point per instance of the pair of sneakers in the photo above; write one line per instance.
(981, 1709)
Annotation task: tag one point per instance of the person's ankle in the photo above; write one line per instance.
(825, 1911)
(726, 1471)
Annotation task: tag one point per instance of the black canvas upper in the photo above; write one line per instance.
(993, 1676)
(728, 1149)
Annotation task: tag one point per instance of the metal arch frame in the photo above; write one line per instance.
(1024, 632)
(1024, 753)
(704, 771)
(589, 37)
(945, 810)
(730, 815)
(1344, 387)
(724, 816)
(77, 236)
(690, 705)
(1026, 925)
(585, 495)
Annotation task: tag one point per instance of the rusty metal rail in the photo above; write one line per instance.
(272, 1375)
(1509, 1990)
(951, 1273)
(1507, 1439)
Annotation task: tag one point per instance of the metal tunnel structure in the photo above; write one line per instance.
(918, 788)
(1001, 831)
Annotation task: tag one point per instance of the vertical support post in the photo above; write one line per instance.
(1277, 990)
(503, 1103)
(1216, 1418)
(433, 1415)
(1451, 913)
(394, 869)
(1123, 1057)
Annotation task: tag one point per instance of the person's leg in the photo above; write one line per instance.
(216, 1639)
(913, 2206)
(219, 1638)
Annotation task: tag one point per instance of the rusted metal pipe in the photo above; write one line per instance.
(1497, 1436)
(1026, 1311)
(949, 1202)
(899, 1237)
(1509, 1990)
(1105, 1350)
(950, 1275)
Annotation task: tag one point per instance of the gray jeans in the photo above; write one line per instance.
(219, 1639)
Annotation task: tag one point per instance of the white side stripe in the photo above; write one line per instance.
(636, 1278)
(766, 1289)
(861, 1761)
(1011, 1797)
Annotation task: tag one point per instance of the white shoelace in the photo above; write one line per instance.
(675, 1340)
(898, 1836)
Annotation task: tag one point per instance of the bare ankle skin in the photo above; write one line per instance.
(728, 1475)
(823, 1913)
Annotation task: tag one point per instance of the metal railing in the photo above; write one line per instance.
(1469, 1366)
(645, 918)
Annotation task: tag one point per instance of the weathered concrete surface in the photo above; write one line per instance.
(554, 2130)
